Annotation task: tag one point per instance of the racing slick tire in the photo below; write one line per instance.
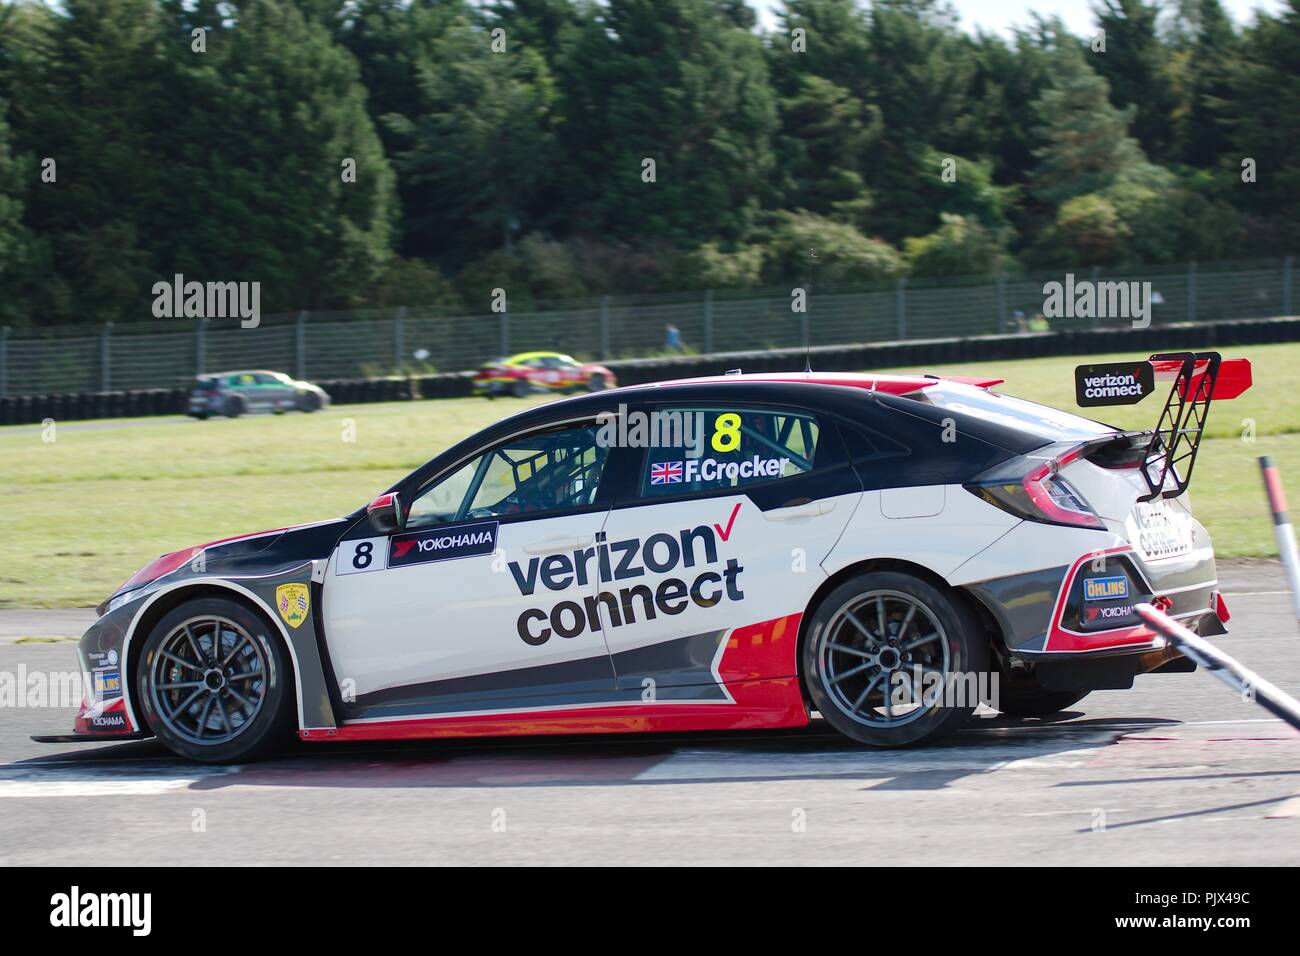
(597, 383)
(234, 407)
(309, 402)
(1028, 699)
(214, 683)
(878, 626)
(520, 389)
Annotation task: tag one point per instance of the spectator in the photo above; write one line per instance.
(672, 338)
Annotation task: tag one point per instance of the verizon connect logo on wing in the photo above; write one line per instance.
(1115, 383)
(76, 909)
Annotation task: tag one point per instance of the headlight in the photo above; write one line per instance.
(121, 601)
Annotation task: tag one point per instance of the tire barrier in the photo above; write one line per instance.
(69, 406)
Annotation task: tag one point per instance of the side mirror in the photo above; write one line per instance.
(385, 513)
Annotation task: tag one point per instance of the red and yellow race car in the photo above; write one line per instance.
(529, 372)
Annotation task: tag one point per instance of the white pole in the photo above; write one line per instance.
(1282, 528)
(1227, 669)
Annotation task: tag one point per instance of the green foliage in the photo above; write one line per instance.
(1086, 145)
(482, 141)
(675, 83)
(1136, 65)
(960, 246)
(800, 245)
(711, 267)
(524, 165)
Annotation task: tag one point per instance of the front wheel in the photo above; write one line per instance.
(892, 661)
(214, 682)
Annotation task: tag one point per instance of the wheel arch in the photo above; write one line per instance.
(988, 623)
(163, 602)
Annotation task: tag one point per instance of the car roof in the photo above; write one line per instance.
(832, 390)
(838, 393)
(874, 381)
(243, 371)
(523, 356)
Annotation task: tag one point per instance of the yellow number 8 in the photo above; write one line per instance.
(726, 432)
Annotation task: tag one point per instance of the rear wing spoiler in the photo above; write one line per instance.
(1198, 379)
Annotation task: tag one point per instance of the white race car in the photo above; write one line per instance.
(730, 552)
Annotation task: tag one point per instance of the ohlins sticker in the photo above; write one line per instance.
(442, 544)
(1105, 589)
(107, 684)
(614, 562)
(1113, 384)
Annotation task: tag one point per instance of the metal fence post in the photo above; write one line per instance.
(708, 321)
(1002, 303)
(505, 333)
(1287, 265)
(201, 346)
(300, 345)
(4, 361)
(105, 358)
(604, 326)
(399, 338)
(901, 308)
(1191, 291)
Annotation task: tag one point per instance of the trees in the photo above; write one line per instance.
(1086, 142)
(357, 151)
(679, 122)
(1262, 117)
(481, 143)
(1136, 65)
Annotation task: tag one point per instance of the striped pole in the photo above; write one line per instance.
(1227, 669)
(1282, 527)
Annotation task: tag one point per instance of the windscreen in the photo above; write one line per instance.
(1048, 423)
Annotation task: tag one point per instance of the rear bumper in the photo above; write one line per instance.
(1083, 609)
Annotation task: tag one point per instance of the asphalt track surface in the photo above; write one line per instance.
(1176, 771)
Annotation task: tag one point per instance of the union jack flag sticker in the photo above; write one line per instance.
(666, 473)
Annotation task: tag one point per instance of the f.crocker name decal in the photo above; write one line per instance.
(613, 562)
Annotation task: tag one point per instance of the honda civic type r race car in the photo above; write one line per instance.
(730, 552)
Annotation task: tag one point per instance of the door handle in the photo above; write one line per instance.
(554, 545)
(810, 510)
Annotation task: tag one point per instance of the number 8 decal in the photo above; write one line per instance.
(726, 432)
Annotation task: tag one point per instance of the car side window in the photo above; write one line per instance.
(703, 449)
(538, 474)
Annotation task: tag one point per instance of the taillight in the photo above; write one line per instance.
(1039, 493)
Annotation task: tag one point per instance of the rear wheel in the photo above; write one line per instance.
(214, 682)
(520, 388)
(234, 407)
(889, 659)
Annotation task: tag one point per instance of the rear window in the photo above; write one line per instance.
(1042, 420)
